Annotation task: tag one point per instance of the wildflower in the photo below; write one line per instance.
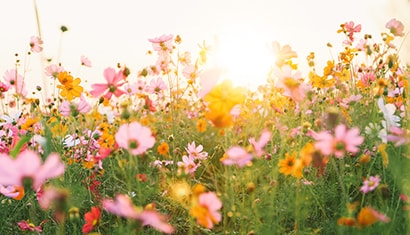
(399, 136)
(201, 125)
(16, 192)
(196, 151)
(15, 80)
(27, 164)
(260, 144)
(156, 86)
(26, 225)
(368, 216)
(221, 100)
(74, 213)
(135, 138)
(53, 70)
(291, 165)
(206, 211)
(388, 113)
(122, 206)
(370, 184)
(292, 84)
(396, 27)
(162, 43)
(344, 141)
(70, 87)
(36, 44)
(282, 54)
(92, 219)
(346, 221)
(237, 156)
(163, 148)
(188, 162)
(114, 81)
(85, 61)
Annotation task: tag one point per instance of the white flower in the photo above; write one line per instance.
(69, 141)
(388, 113)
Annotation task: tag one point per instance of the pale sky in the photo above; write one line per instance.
(108, 32)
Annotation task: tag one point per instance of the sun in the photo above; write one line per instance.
(245, 56)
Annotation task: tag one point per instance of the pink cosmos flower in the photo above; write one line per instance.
(53, 70)
(123, 206)
(283, 53)
(396, 27)
(16, 81)
(85, 61)
(237, 156)
(292, 83)
(9, 191)
(260, 144)
(27, 164)
(66, 108)
(25, 225)
(188, 162)
(399, 136)
(343, 141)
(114, 81)
(196, 151)
(36, 44)
(351, 29)
(162, 43)
(156, 86)
(135, 138)
(370, 184)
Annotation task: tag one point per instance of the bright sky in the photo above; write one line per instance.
(108, 32)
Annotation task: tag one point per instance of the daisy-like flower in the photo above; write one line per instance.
(156, 86)
(388, 113)
(206, 211)
(135, 138)
(396, 27)
(66, 108)
(27, 164)
(123, 206)
(53, 70)
(92, 219)
(114, 81)
(70, 88)
(26, 225)
(292, 83)
(188, 163)
(291, 165)
(282, 54)
(237, 156)
(370, 184)
(85, 61)
(196, 151)
(15, 80)
(36, 44)
(343, 141)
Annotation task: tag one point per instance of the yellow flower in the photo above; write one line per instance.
(28, 125)
(321, 81)
(291, 165)
(382, 150)
(163, 149)
(70, 87)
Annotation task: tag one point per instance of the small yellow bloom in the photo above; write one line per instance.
(201, 125)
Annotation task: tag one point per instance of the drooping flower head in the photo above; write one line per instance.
(36, 44)
(396, 27)
(135, 138)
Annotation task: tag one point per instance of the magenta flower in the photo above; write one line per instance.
(396, 27)
(237, 156)
(27, 164)
(85, 61)
(26, 225)
(36, 44)
(196, 151)
(370, 184)
(123, 206)
(351, 29)
(114, 81)
(135, 138)
(343, 141)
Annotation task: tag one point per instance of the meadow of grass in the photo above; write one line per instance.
(175, 148)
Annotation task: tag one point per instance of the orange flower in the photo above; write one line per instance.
(291, 165)
(368, 216)
(163, 149)
(201, 125)
(70, 87)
